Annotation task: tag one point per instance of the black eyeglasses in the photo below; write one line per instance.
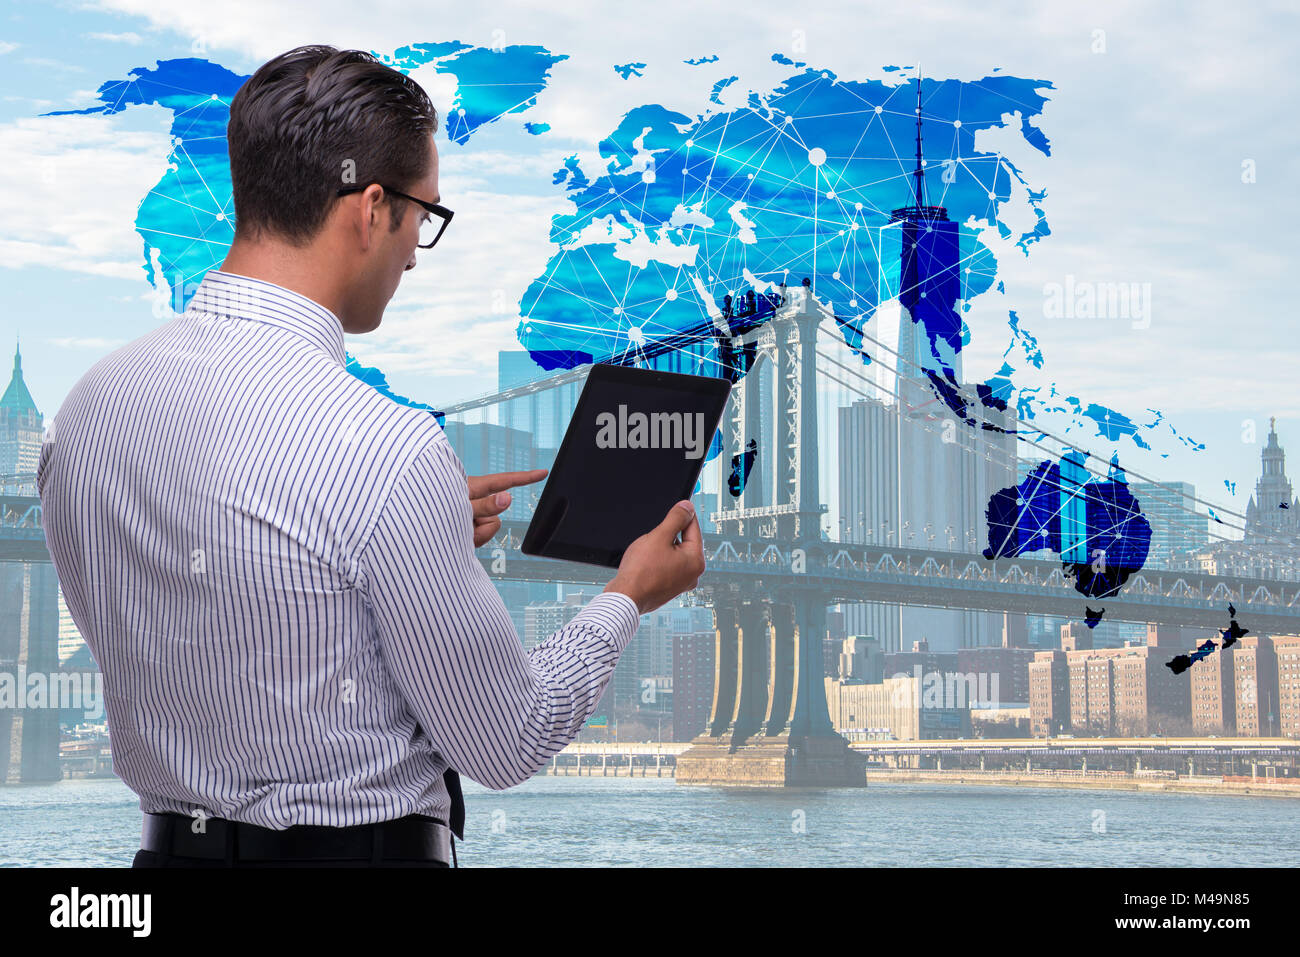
(429, 227)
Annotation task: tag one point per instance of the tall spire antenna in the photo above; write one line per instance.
(919, 173)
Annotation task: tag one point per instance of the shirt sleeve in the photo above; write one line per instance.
(496, 713)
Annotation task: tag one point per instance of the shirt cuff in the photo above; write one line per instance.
(615, 613)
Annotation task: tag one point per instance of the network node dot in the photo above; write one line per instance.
(830, 194)
(835, 275)
(670, 295)
(956, 124)
(880, 109)
(817, 156)
(853, 304)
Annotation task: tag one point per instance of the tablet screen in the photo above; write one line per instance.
(634, 447)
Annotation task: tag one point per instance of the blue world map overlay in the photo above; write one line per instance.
(799, 181)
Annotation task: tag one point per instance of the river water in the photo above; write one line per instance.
(649, 822)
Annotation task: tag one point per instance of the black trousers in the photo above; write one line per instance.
(145, 858)
(154, 859)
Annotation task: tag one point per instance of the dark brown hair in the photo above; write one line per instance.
(313, 120)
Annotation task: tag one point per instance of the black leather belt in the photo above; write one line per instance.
(415, 837)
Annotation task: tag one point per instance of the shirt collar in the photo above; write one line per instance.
(243, 297)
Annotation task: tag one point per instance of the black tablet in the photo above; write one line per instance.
(634, 447)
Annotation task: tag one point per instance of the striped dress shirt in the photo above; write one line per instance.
(273, 566)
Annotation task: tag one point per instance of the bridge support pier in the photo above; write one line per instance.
(769, 726)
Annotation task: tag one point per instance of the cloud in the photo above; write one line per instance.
(49, 64)
(1143, 183)
(87, 342)
(132, 38)
(70, 193)
(458, 307)
(37, 105)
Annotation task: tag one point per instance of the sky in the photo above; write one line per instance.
(1172, 163)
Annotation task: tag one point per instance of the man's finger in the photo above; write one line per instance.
(485, 530)
(488, 505)
(481, 485)
(679, 517)
(692, 536)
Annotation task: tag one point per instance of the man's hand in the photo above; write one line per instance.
(489, 498)
(656, 568)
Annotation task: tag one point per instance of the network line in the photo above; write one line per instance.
(705, 332)
(1004, 459)
(650, 338)
(1038, 428)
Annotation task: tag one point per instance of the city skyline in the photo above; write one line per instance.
(653, 660)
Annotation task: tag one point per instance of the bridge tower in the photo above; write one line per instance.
(780, 499)
(769, 725)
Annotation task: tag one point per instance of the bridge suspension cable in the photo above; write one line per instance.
(1035, 428)
(707, 332)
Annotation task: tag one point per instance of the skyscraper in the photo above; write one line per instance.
(1273, 515)
(919, 290)
(1177, 529)
(544, 414)
(912, 475)
(29, 602)
(1271, 545)
(21, 432)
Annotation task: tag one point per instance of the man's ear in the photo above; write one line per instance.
(373, 212)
